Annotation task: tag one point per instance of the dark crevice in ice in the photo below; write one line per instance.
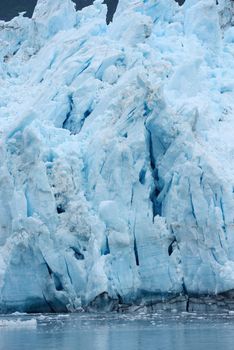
(185, 291)
(60, 209)
(120, 298)
(156, 205)
(171, 247)
(48, 268)
(68, 115)
(142, 176)
(85, 116)
(136, 252)
(180, 2)
(135, 245)
(132, 196)
(29, 207)
(57, 282)
(77, 254)
(192, 205)
(151, 153)
(55, 277)
(71, 121)
(106, 249)
(62, 203)
(52, 310)
(187, 305)
(155, 192)
(213, 252)
(87, 113)
(68, 272)
(222, 211)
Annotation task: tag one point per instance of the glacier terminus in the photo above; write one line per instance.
(117, 157)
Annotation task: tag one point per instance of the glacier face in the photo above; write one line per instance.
(117, 155)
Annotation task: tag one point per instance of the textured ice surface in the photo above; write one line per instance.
(116, 154)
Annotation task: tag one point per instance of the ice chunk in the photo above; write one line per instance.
(18, 323)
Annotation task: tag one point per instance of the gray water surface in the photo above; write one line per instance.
(117, 332)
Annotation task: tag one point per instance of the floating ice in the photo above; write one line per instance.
(18, 323)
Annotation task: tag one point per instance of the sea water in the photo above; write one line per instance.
(117, 331)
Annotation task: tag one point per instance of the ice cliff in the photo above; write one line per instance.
(117, 156)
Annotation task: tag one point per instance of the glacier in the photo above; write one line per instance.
(117, 157)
